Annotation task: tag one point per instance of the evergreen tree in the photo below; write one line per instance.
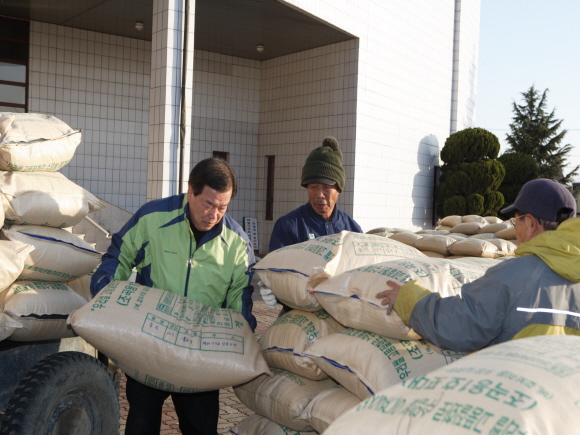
(537, 133)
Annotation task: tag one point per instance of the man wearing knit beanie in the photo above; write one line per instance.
(323, 177)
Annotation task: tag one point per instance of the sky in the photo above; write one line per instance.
(525, 43)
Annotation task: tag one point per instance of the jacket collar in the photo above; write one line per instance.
(559, 249)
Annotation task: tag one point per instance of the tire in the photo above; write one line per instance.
(66, 393)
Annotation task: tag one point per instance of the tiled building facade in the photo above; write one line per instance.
(391, 94)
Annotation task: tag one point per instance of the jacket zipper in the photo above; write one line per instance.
(188, 265)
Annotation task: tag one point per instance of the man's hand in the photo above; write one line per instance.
(389, 296)
(267, 296)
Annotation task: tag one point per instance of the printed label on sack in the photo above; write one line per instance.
(199, 340)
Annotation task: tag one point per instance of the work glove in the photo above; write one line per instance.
(267, 296)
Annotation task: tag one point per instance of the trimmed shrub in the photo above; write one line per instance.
(470, 145)
(456, 205)
(470, 172)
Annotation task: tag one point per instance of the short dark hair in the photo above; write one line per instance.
(215, 173)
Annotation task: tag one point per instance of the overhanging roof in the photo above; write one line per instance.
(232, 27)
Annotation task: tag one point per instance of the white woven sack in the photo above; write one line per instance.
(433, 232)
(2, 215)
(45, 198)
(408, 238)
(258, 425)
(13, 254)
(286, 340)
(400, 230)
(58, 256)
(328, 406)
(12, 257)
(282, 397)
(450, 221)
(484, 236)
(475, 248)
(43, 155)
(287, 270)
(42, 309)
(379, 230)
(435, 243)
(7, 324)
(492, 219)
(505, 248)
(443, 228)
(474, 218)
(494, 228)
(433, 254)
(458, 236)
(28, 127)
(167, 341)
(507, 234)
(350, 297)
(82, 285)
(364, 363)
(468, 228)
(526, 386)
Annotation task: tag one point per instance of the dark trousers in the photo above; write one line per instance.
(197, 412)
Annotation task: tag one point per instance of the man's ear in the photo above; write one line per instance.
(536, 227)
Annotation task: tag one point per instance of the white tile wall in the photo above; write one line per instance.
(304, 98)
(98, 83)
(468, 61)
(226, 118)
(403, 99)
(385, 96)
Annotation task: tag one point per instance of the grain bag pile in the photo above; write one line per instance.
(300, 396)
(350, 296)
(526, 386)
(38, 208)
(459, 236)
(349, 348)
(287, 270)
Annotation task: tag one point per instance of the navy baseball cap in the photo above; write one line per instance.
(544, 199)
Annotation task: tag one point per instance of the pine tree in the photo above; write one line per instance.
(537, 133)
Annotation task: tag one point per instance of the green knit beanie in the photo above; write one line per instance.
(324, 165)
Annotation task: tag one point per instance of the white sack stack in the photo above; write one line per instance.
(287, 270)
(350, 296)
(526, 386)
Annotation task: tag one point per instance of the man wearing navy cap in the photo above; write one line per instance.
(324, 178)
(536, 293)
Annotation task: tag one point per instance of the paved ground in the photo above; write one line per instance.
(231, 409)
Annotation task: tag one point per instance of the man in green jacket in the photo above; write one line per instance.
(189, 245)
(537, 293)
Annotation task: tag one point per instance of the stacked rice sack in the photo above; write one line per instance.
(460, 236)
(526, 386)
(167, 341)
(343, 348)
(38, 209)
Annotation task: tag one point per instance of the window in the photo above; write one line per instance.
(221, 155)
(270, 164)
(13, 65)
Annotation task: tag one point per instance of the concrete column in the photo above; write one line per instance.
(455, 79)
(165, 97)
